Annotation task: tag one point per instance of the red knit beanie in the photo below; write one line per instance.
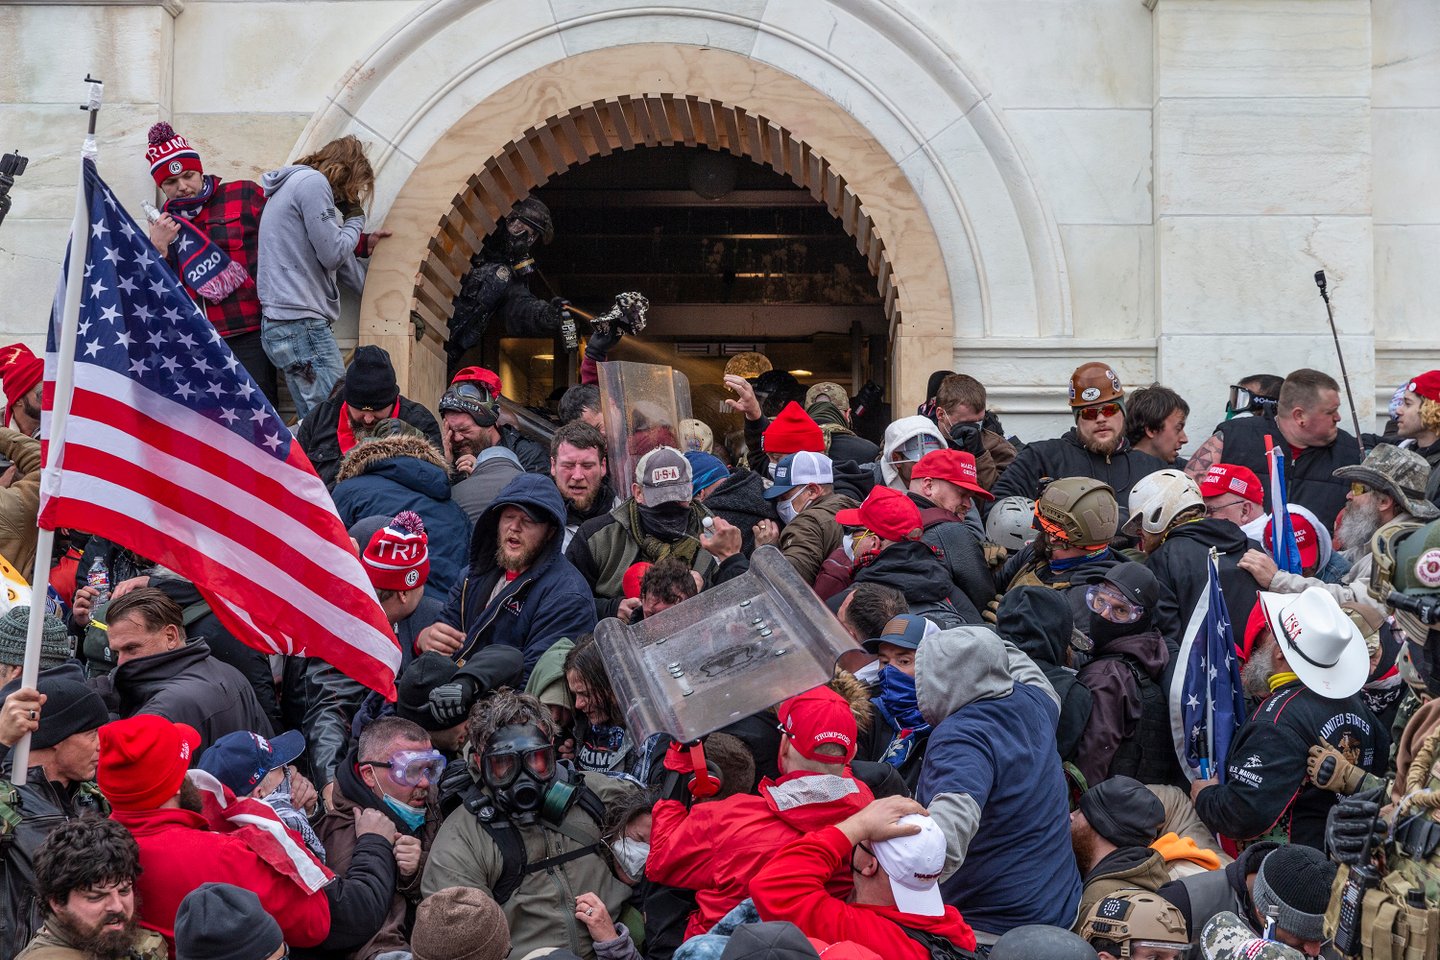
(20, 370)
(170, 154)
(792, 431)
(143, 760)
(398, 555)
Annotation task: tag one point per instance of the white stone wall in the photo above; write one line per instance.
(1198, 160)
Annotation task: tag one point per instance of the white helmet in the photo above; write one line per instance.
(1158, 499)
(1011, 522)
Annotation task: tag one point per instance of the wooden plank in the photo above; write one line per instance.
(529, 162)
(639, 112)
(733, 141)
(591, 123)
(662, 116)
(622, 122)
(560, 158)
(706, 131)
(685, 117)
(569, 129)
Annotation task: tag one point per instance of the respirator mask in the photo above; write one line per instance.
(519, 238)
(520, 770)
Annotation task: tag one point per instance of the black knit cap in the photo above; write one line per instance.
(220, 921)
(1295, 880)
(1123, 811)
(412, 689)
(70, 708)
(370, 380)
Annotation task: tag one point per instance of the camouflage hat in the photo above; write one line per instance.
(1399, 474)
(828, 390)
(1226, 938)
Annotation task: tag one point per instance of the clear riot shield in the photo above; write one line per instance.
(723, 655)
(643, 404)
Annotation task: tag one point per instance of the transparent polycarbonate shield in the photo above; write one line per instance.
(643, 404)
(527, 421)
(731, 651)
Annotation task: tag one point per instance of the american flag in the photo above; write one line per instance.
(1207, 700)
(171, 450)
(1283, 547)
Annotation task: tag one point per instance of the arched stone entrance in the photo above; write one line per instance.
(624, 123)
(946, 198)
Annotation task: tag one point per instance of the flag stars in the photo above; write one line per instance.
(139, 367)
(272, 441)
(245, 390)
(170, 365)
(125, 227)
(143, 259)
(92, 348)
(127, 285)
(185, 340)
(98, 230)
(229, 416)
(124, 339)
(156, 339)
(1193, 702)
(112, 255)
(201, 364)
(259, 416)
(97, 288)
(215, 389)
(172, 314)
(183, 390)
(157, 287)
(109, 314)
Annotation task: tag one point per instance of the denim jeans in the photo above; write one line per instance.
(709, 946)
(306, 352)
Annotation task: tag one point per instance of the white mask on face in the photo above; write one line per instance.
(787, 509)
(631, 855)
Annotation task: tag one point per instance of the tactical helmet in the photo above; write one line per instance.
(1078, 511)
(1094, 383)
(1133, 918)
(1011, 523)
(1158, 499)
(1407, 559)
(535, 215)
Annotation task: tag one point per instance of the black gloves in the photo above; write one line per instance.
(598, 344)
(450, 702)
(1351, 822)
(966, 436)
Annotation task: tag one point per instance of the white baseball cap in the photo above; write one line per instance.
(914, 864)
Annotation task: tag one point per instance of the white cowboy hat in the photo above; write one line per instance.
(1320, 642)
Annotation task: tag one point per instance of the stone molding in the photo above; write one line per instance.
(172, 7)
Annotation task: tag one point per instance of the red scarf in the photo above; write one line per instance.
(346, 433)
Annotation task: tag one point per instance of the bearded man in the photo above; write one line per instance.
(1388, 487)
(520, 590)
(1096, 447)
(85, 875)
(577, 465)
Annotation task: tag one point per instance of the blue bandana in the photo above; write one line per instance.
(899, 704)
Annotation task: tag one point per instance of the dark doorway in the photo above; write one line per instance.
(733, 256)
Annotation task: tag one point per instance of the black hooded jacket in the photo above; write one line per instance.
(1203, 895)
(1038, 621)
(911, 567)
(1180, 565)
(740, 501)
(1066, 457)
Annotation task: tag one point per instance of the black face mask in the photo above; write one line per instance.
(1101, 630)
(518, 767)
(668, 522)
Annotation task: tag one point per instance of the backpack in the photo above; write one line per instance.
(1149, 754)
(515, 865)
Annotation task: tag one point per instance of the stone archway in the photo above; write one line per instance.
(971, 247)
(623, 123)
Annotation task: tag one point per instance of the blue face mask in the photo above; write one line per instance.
(898, 697)
(408, 815)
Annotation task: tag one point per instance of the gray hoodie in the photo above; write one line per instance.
(304, 247)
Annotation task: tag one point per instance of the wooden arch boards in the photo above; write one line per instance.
(601, 128)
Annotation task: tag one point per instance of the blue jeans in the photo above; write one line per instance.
(306, 352)
(709, 946)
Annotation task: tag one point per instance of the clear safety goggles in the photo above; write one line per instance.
(411, 768)
(1109, 603)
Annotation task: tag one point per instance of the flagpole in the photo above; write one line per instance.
(59, 414)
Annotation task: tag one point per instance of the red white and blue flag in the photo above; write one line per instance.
(1283, 547)
(1207, 699)
(172, 451)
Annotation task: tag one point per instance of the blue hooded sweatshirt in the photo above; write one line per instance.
(992, 780)
(549, 601)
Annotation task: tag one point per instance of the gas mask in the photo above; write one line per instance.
(519, 238)
(518, 766)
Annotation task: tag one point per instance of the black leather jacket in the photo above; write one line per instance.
(27, 815)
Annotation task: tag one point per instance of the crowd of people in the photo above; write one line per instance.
(997, 767)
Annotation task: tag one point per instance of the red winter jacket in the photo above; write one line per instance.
(179, 851)
(716, 848)
(791, 887)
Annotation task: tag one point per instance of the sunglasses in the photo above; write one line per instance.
(1358, 489)
(1095, 413)
(501, 769)
(1214, 509)
(1112, 606)
(410, 768)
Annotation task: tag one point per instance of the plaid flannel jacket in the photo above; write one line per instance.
(232, 221)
